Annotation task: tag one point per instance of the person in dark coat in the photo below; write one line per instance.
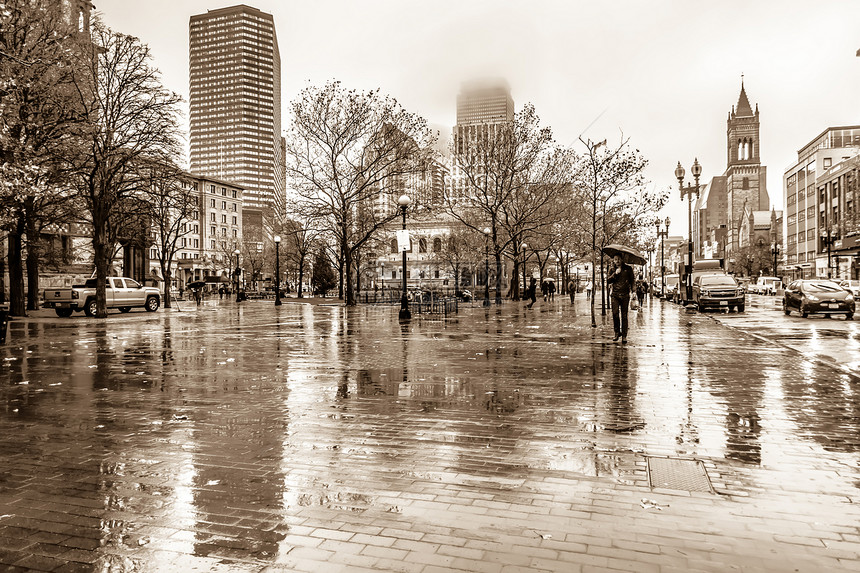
(623, 282)
(544, 289)
(550, 285)
(531, 292)
(571, 290)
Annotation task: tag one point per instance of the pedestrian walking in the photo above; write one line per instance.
(571, 290)
(531, 292)
(622, 282)
(641, 289)
(551, 289)
(588, 286)
(198, 296)
(544, 289)
(221, 292)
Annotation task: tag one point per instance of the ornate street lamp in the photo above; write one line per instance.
(523, 248)
(236, 274)
(486, 266)
(696, 170)
(277, 271)
(662, 236)
(404, 314)
(774, 250)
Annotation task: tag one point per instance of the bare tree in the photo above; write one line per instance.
(614, 201)
(348, 151)
(38, 118)
(508, 176)
(133, 122)
(172, 201)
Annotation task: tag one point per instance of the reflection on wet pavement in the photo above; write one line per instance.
(233, 440)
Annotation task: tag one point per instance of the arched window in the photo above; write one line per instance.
(740, 149)
(422, 245)
(393, 245)
(437, 245)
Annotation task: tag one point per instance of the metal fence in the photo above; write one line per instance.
(429, 305)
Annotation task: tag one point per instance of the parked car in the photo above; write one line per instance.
(718, 291)
(672, 287)
(765, 285)
(120, 292)
(744, 282)
(818, 297)
(851, 286)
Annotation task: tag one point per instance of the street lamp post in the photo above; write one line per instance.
(696, 170)
(662, 236)
(523, 248)
(404, 314)
(382, 277)
(277, 271)
(827, 238)
(236, 274)
(486, 266)
(774, 250)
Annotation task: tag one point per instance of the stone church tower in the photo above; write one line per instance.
(746, 177)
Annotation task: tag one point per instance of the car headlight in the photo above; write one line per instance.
(811, 297)
(849, 298)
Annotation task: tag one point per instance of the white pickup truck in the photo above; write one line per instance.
(121, 292)
(764, 285)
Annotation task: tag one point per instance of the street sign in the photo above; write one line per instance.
(403, 241)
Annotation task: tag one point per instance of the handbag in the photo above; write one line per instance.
(634, 304)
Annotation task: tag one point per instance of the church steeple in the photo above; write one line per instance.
(743, 108)
(743, 131)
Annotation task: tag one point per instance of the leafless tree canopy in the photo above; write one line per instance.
(347, 152)
(132, 121)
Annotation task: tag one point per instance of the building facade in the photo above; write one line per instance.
(821, 218)
(235, 101)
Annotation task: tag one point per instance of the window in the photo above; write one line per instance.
(234, 219)
(196, 243)
(792, 199)
(393, 245)
(197, 229)
(212, 229)
(422, 248)
(437, 246)
(437, 274)
(182, 242)
(224, 205)
(212, 216)
(234, 208)
(828, 162)
(223, 192)
(235, 233)
(212, 203)
(810, 212)
(234, 196)
(224, 219)
(212, 244)
(394, 274)
(223, 231)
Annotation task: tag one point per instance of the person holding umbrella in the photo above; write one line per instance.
(622, 282)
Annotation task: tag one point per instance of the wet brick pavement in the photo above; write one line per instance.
(319, 438)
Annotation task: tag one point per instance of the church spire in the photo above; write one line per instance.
(743, 109)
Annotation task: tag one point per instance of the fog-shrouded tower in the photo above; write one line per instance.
(235, 73)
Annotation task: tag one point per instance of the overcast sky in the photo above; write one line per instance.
(665, 73)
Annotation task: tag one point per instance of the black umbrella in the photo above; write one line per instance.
(196, 284)
(628, 254)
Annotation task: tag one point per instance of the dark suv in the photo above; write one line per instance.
(718, 291)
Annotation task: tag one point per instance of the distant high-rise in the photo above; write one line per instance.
(482, 102)
(235, 72)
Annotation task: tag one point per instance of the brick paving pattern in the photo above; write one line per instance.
(319, 438)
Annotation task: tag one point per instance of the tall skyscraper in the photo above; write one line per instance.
(236, 103)
(485, 101)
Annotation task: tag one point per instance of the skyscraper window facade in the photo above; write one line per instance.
(235, 100)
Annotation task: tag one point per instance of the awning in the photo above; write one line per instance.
(215, 279)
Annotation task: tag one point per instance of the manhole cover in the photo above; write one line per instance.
(673, 473)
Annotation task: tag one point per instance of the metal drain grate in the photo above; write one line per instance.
(673, 473)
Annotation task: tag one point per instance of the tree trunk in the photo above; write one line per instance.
(346, 274)
(301, 275)
(498, 277)
(101, 253)
(165, 274)
(16, 276)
